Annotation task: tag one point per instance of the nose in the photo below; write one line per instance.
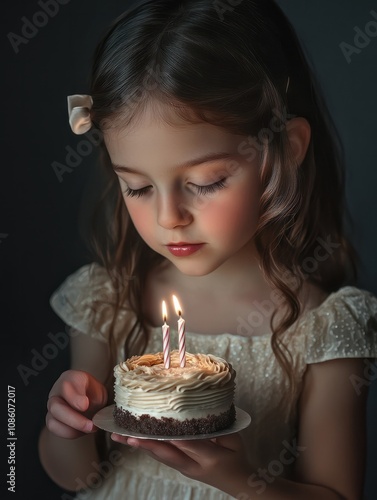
(172, 212)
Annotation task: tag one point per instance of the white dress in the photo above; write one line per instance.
(343, 326)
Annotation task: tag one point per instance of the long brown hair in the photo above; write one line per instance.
(244, 69)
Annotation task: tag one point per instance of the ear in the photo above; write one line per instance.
(299, 133)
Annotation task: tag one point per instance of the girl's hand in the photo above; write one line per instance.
(73, 400)
(212, 461)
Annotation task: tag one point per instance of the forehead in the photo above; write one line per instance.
(166, 138)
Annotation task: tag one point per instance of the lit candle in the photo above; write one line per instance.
(165, 337)
(181, 333)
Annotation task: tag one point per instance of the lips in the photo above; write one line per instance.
(183, 249)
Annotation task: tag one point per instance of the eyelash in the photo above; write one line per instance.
(137, 192)
(211, 188)
(201, 190)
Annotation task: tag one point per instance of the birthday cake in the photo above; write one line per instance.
(194, 399)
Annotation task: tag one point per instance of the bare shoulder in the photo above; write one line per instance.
(332, 427)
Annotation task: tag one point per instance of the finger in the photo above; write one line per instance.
(118, 438)
(60, 429)
(73, 391)
(231, 441)
(163, 451)
(81, 390)
(89, 391)
(209, 447)
(61, 411)
(96, 391)
(196, 448)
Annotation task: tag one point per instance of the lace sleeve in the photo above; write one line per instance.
(344, 327)
(85, 301)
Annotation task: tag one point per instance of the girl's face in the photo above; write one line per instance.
(191, 195)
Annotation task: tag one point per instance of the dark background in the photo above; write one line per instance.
(39, 236)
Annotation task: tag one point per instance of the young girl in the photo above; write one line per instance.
(225, 188)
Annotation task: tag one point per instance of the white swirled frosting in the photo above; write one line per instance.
(205, 386)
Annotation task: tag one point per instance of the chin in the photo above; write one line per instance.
(194, 269)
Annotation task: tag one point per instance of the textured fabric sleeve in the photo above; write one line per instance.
(86, 301)
(345, 326)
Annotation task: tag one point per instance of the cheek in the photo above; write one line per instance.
(233, 213)
(141, 217)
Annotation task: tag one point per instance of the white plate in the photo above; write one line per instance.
(104, 420)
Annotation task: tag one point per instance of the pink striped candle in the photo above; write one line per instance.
(181, 333)
(165, 337)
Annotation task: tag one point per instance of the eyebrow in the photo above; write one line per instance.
(209, 157)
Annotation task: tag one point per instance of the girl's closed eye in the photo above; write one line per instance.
(210, 188)
(137, 192)
(201, 190)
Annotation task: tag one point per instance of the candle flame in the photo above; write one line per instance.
(177, 306)
(164, 311)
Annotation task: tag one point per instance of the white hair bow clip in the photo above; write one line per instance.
(79, 106)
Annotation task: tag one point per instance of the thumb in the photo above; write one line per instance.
(82, 402)
(80, 385)
(85, 391)
(96, 392)
(71, 386)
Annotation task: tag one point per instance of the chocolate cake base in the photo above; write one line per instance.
(145, 424)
